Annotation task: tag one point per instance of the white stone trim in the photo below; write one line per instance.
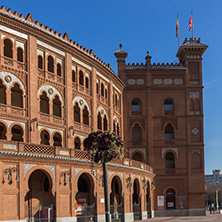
(10, 122)
(128, 217)
(102, 77)
(74, 68)
(102, 112)
(194, 95)
(116, 119)
(144, 215)
(81, 63)
(50, 48)
(143, 150)
(58, 60)
(46, 89)
(11, 31)
(87, 74)
(101, 218)
(50, 130)
(13, 80)
(195, 131)
(81, 103)
(3, 36)
(66, 219)
(40, 52)
(20, 44)
(164, 150)
(114, 86)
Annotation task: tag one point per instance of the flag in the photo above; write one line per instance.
(177, 26)
(191, 23)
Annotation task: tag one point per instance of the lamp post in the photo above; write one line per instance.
(217, 195)
(106, 194)
(104, 147)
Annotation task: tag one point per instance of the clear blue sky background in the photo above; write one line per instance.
(141, 25)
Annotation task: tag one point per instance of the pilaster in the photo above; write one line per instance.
(68, 136)
(94, 101)
(32, 66)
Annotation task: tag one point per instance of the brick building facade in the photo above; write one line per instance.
(54, 92)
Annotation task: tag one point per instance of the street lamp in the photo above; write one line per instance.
(217, 195)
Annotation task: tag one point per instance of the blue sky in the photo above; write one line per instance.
(141, 25)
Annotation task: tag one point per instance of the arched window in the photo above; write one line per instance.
(59, 69)
(87, 82)
(77, 112)
(99, 121)
(57, 139)
(196, 161)
(73, 76)
(20, 54)
(50, 64)
(2, 132)
(56, 106)
(169, 132)
(17, 133)
(196, 105)
(8, 48)
(137, 156)
(44, 103)
(136, 105)
(116, 100)
(40, 62)
(85, 116)
(136, 192)
(77, 143)
(114, 126)
(170, 199)
(97, 88)
(105, 123)
(170, 161)
(44, 137)
(137, 133)
(106, 94)
(168, 104)
(2, 93)
(16, 96)
(191, 105)
(117, 129)
(102, 89)
(81, 78)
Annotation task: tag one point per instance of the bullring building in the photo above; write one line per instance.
(54, 92)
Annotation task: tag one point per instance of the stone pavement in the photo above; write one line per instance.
(208, 218)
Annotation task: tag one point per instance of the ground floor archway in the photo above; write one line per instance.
(39, 200)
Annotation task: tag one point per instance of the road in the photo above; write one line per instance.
(208, 218)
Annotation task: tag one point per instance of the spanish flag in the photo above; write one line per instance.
(191, 22)
(177, 26)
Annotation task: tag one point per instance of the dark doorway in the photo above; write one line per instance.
(39, 201)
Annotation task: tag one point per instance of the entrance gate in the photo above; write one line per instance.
(137, 211)
(87, 214)
(148, 210)
(41, 214)
(116, 212)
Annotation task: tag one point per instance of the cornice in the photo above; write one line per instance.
(68, 159)
(34, 29)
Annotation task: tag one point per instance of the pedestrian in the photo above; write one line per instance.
(210, 208)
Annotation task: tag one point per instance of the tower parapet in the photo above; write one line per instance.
(191, 48)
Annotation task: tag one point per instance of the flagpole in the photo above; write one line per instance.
(178, 31)
(192, 24)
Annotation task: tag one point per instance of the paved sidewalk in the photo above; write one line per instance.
(208, 218)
